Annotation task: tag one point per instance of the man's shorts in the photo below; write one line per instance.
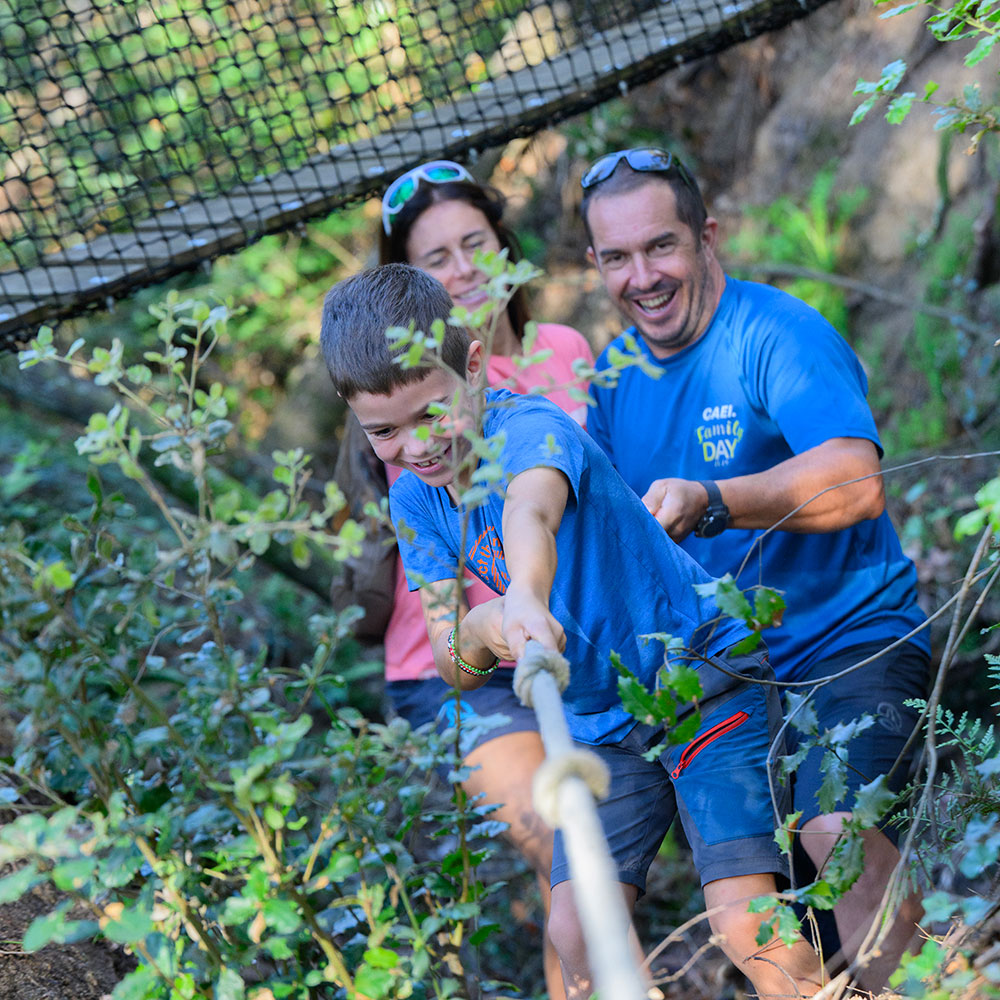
(484, 714)
(877, 689)
(717, 783)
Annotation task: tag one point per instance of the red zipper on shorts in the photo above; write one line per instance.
(696, 746)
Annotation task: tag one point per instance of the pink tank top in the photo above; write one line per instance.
(408, 654)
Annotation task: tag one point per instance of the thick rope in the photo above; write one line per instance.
(564, 791)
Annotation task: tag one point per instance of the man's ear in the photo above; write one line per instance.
(710, 234)
(475, 363)
(592, 257)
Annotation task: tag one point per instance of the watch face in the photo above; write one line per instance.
(712, 524)
(714, 521)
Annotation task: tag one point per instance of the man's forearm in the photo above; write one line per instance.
(831, 487)
(836, 485)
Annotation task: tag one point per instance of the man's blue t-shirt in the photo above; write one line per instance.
(768, 379)
(618, 577)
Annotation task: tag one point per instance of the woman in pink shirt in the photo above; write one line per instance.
(436, 217)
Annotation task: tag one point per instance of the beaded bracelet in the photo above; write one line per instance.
(456, 658)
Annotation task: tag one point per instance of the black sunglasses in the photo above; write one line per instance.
(649, 160)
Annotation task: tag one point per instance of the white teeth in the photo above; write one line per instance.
(655, 302)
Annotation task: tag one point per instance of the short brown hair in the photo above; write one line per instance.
(358, 311)
(690, 204)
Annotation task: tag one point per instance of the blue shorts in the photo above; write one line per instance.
(717, 783)
(878, 689)
(484, 714)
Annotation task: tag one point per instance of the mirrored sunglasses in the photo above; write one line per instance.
(644, 160)
(404, 187)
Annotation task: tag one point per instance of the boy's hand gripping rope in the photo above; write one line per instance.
(565, 788)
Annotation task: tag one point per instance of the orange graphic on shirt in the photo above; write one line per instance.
(487, 562)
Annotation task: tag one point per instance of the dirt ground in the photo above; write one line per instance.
(84, 971)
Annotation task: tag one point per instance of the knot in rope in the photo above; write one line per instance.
(535, 659)
(554, 772)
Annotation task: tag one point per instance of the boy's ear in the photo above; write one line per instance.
(475, 363)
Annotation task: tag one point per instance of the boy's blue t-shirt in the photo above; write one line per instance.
(618, 577)
(769, 379)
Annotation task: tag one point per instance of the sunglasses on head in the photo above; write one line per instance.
(404, 187)
(648, 160)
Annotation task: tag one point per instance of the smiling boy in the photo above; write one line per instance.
(581, 567)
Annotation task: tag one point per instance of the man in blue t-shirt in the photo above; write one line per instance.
(747, 433)
(581, 567)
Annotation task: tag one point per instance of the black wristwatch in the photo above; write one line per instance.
(715, 520)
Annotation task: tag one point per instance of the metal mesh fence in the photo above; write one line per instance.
(141, 137)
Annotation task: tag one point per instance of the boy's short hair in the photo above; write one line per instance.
(358, 311)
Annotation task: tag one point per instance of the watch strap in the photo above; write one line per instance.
(715, 520)
(714, 493)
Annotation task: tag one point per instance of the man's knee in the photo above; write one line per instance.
(565, 930)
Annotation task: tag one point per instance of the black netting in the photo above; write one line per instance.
(138, 139)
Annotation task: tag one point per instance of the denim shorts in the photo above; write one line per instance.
(484, 714)
(717, 783)
(878, 689)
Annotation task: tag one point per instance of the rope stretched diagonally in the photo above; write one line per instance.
(566, 786)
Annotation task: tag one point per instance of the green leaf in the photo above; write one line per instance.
(138, 985)
(273, 817)
(819, 894)
(833, 787)
(789, 925)
(259, 541)
(939, 906)
(766, 930)
(861, 111)
(133, 924)
(899, 108)
(373, 983)
(872, 802)
(229, 985)
(892, 76)
(381, 958)
(72, 874)
(981, 50)
(784, 833)
(731, 600)
(45, 929)
(301, 555)
(802, 713)
(973, 97)
(483, 932)
(636, 700)
(768, 606)
(683, 680)
(686, 730)
(55, 575)
(341, 866)
(846, 862)
(282, 915)
(749, 644)
(13, 887)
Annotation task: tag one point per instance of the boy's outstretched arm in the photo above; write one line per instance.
(532, 512)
